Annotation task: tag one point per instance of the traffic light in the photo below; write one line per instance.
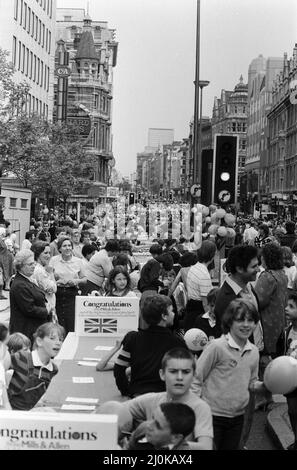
(225, 170)
(131, 198)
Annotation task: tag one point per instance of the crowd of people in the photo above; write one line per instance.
(178, 396)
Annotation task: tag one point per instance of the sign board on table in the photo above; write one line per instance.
(106, 316)
(20, 430)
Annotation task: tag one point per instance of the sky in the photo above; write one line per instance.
(153, 79)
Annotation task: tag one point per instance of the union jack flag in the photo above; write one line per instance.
(101, 325)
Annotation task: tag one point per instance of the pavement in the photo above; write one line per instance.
(278, 423)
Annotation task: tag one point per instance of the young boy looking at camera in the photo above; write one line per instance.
(177, 372)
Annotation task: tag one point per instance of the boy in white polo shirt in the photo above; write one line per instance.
(226, 371)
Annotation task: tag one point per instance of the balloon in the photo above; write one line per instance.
(195, 339)
(205, 211)
(212, 229)
(280, 376)
(213, 217)
(222, 231)
(197, 238)
(212, 208)
(220, 213)
(230, 232)
(194, 210)
(229, 219)
(207, 220)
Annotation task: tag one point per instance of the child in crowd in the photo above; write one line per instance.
(207, 321)
(119, 283)
(226, 370)
(104, 363)
(18, 342)
(4, 353)
(168, 430)
(4, 402)
(34, 370)
(287, 345)
(143, 350)
(177, 371)
(289, 267)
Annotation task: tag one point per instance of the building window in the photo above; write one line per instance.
(24, 203)
(27, 61)
(49, 41)
(67, 18)
(21, 11)
(25, 16)
(29, 20)
(13, 202)
(16, 9)
(20, 54)
(14, 50)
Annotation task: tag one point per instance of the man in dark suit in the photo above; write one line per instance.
(242, 265)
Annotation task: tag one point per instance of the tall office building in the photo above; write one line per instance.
(27, 32)
(158, 137)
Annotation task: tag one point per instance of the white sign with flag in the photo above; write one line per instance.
(106, 316)
(20, 430)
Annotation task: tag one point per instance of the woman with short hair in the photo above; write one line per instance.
(27, 301)
(69, 274)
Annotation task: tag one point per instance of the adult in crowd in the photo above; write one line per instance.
(290, 236)
(6, 260)
(43, 274)
(242, 266)
(27, 301)
(263, 237)
(250, 233)
(69, 274)
(29, 238)
(87, 252)
(199, 283)
(60, 233)
(271, 291)
(77, 247)
(100, 266)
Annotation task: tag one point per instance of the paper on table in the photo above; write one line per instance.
(103, 348)
(82, 400)
(83, 380)
(78, 407)
(97, 359)
(86, 363)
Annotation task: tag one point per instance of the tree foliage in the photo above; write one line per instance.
(12, 95)
(45, 157)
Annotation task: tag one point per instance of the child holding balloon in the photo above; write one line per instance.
(287, 345)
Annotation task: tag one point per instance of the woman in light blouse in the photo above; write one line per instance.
(44, 275)
(70, 276)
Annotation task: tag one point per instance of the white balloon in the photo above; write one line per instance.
(222, 231)
(220, 213)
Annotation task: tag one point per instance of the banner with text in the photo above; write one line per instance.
(106, 316)
(20, 430)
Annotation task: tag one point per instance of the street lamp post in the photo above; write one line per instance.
(196, 104)
(202, 84)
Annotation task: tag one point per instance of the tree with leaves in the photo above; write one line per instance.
(46, 157)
